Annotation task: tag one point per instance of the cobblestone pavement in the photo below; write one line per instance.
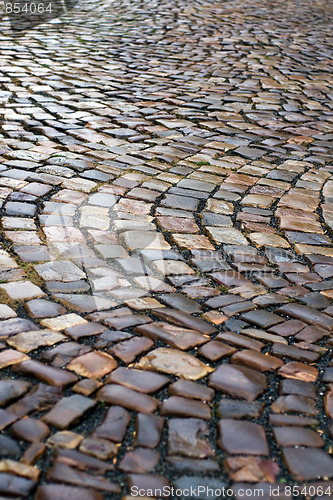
(166, 257)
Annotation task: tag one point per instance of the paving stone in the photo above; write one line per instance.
(251, 469)
(139, 461)
(132, 400)
(138, 380)
(174, 336)
(30, 429)
(238, 437)
(308, 463)
(59, 492)
(50, 375)
(67, 410)
(297, 436)
(187, 437)
(29, 341)
(256, 360)
(294, 404)
(93, 365)
(114, 424)
(238, 381)
(229, 408)
(174, 362)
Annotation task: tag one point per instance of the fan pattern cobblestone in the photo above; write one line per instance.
(166, 261)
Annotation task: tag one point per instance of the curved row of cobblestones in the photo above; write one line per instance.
(166, 251)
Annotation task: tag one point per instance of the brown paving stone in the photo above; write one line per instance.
(11, 357)
(64, 474)
(299, 371)
(30, 429)
(290, 386)
(42, 308)
(138, 380)
(184, 407)
(187, 437)
(139, 461)
(64, 439)
(128, 350)
(172, 335)
(68, 410)
(48, 374)
(184, 319)
(192, 390)
(12, 389)
(132, 400)
(28, 341)
(34, 453)
(294, 404)
(294, 352)
(308, 463)
(238, 381)
(214, 351)
(59, 492)
(257, 361)
(238, 437)
(148, 430)
(251, 469)
(229, 408)
(114, 424)
(98, 448)
(81, 461)
(174, 362)
(93, 364)
(297, 436)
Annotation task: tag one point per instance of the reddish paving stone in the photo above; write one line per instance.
(149, 429)
(299, 371)
(138, 380)
(236, 437)
(175, 336)
(294, 404)
(308, 463)
(68, 410)
(297, 436)
(184, 319)
(238, 381)
(128, 350)
(98, 448)
(184, 407)
(93, 365)
(30, 429)
(50, 375)
(12, 389)
(251, 469)
(147, 483)
(60, 492)
(192, 390)
(229, 408)
(139, 461)
(214, 351)
(62, 473)
(256, 360)
(187, 437)
(132, 400)
(114, 425)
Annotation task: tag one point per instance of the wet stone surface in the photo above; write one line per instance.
(166, 260)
